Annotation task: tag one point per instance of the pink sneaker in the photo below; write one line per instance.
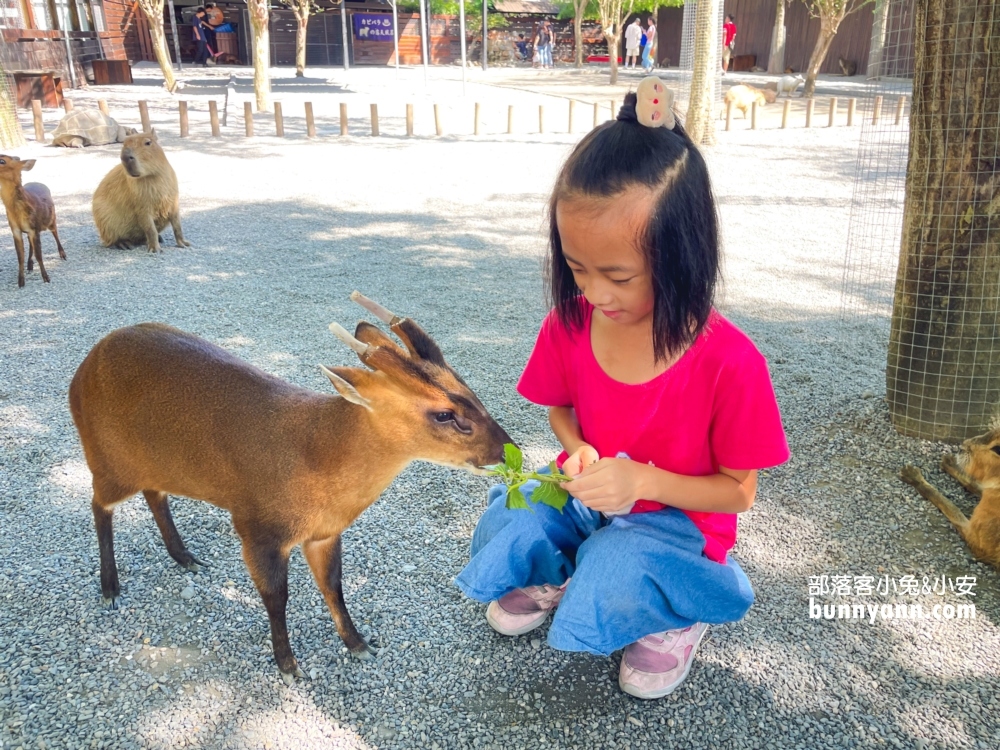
(654, 666)
(523, 610)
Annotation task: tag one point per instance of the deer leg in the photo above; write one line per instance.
(35, 245)
(19, 249)
(103, 506)
(160, 506)
(324, 560)
(950, 466)
(912, 476)
(268, 566)
(55, 233)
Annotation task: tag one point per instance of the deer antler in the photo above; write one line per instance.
(389, 318)
(341, 333)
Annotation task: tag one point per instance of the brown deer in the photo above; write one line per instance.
(30, 211)
(977, 469)
(162, 411)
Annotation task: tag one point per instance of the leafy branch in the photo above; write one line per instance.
(549, 492)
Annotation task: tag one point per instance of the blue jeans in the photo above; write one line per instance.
(545, 54)
(647, 61)
(631, 575)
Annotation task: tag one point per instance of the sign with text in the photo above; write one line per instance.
(373, 27)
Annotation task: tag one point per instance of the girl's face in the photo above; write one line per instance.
(600, 243)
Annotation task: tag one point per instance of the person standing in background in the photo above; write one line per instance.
(632, 36)
(728, 41)
(649, 51)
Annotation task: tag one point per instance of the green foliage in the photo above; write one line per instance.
(567, 8)
(512, 471)
(473, 13)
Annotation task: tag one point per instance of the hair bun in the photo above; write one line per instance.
(627, 112)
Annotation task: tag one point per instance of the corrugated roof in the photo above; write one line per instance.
(539, 7)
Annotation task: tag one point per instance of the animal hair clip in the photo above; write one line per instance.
(654, 104)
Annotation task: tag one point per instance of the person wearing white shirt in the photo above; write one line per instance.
(632, 36)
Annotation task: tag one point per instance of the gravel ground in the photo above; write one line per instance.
(283, 230)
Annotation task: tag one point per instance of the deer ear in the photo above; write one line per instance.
(27, 165)
(344, 387)
(152, 134)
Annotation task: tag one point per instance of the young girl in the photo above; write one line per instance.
(664, 408)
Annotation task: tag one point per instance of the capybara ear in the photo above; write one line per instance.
(27, 165)
(152, 133)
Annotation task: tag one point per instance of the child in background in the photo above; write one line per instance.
(665, 411)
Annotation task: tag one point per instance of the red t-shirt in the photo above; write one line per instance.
(714, 407)
(728, 31)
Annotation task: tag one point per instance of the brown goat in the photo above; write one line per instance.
(162, 411)
(977, 469)
(30, 210)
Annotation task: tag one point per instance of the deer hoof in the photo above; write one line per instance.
(290, 677)
(192, 563)
(110, 602)
(364, 654)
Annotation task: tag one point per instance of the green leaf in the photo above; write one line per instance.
(553, 469)
(515, 499)
(512, 457)
(551, 494)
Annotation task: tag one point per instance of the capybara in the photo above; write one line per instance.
(139, 197)
(30, 211)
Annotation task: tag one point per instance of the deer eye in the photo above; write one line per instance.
(996, 449)
(2, 162)
(149, 143)
(443, 417)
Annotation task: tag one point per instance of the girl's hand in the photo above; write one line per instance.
(581, 458)
(609, 485)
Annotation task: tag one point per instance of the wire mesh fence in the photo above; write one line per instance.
(694, 28)
(923, 258)
(11, 135)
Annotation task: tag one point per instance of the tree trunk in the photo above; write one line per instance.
(154, 16)
(259, 20)
(11, 135)
(612, 40)
(776, 62)
(578, 32)
(943, 368)
(300, 42)
(706, 64)
(827, 31)
(880, 26)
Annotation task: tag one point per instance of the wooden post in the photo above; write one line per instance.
(810, 105)
(213, 116)
(753, 115)
(851, 104)
(475, 127)
(613, 115)
(729, 114)
(374, 108)
(183, 107)
(597, 112)
(36, 115)
(310, 122)
(248, 118)
(409, 119)
(833, 112)
(437, 121)
(510, 119)
(67, 104)
(144, 115)
(572, 104)
(541, 118)
(784, 113)
(877, 110)
(343, 118)
(900, 106)
(279, 121)
(103, 106)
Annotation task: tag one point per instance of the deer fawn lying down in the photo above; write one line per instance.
(977, 469)
(30, 210)
(162, 411)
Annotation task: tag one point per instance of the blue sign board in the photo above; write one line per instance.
(373, 27)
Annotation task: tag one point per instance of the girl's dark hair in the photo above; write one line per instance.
(681, 240)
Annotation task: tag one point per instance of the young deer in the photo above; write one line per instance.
(162, 411)
(977, 469)
(30, 210)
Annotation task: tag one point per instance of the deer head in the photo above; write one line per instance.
(413, 397)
